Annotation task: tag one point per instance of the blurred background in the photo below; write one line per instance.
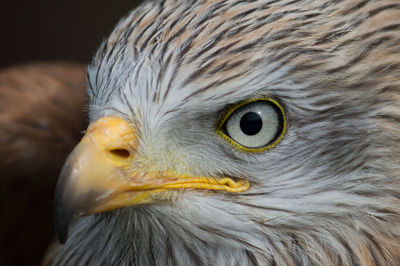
(56, 30)
(42, 109)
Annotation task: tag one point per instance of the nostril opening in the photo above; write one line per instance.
(122, 153)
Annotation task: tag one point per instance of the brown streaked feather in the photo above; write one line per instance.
(41, 117)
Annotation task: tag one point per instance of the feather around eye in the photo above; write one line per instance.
(254, 125)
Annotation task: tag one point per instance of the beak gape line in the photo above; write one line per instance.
(96, 176)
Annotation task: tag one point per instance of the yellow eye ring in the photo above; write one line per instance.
(276, 140)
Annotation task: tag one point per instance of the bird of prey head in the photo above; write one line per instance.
(228, 132)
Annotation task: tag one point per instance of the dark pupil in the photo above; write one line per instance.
(250, 123)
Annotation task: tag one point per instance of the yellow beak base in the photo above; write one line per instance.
(98, 176)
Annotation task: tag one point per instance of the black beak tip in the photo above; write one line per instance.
(67, 209)
(62, 220)
(62, 233)
(63, 213)
(68, 204)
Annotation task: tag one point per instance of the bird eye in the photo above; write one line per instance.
(254, 125)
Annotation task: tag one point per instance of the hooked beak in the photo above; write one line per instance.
(99, 176)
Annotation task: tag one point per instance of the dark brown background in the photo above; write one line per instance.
(44, 31)
(56, 29)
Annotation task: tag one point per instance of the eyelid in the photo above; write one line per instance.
(221, 130)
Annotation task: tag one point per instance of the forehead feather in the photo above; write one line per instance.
(203, 51)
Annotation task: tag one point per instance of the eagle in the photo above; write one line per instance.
(231, 132)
